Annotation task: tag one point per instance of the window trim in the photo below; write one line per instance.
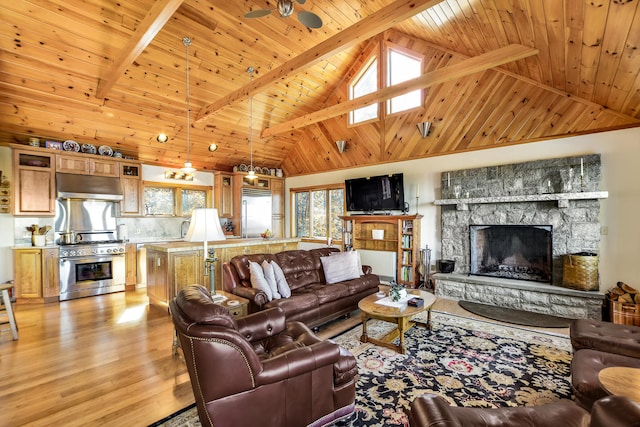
(177, 195)
(309, 189)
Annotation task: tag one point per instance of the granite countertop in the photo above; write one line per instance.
(159, 240)
(30, 246)
(182, 246)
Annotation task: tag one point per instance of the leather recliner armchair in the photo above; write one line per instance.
(611, 411)
(259, 369)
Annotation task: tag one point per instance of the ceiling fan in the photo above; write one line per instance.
(285, 8)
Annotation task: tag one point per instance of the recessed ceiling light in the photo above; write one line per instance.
(162, 138)
(213, 147)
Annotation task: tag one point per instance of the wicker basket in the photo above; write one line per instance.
(581, 271)
(624, 313)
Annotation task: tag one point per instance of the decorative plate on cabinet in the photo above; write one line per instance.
(242, 168)
(89, 149)
(71, 145)
(105, 150)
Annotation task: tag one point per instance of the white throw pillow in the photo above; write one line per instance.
(281, 281)
(271, 279)
(258, 281)
(340, 267)
(359, 263)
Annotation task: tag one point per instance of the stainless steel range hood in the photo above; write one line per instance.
(72, 186)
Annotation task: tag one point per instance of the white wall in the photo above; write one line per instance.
(619, 214)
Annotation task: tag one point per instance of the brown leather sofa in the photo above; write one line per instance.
(613, 411)
(260, 370)
(312, 301)
(598, 345)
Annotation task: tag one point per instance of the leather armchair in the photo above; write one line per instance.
(434, 411)
(611, 411)
(615, 411)
(260, 369)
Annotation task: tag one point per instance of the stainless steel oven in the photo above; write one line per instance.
(91, 269)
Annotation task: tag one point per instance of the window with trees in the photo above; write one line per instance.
(316, 212)
(162, 199)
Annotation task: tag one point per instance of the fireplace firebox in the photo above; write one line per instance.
(522, 252)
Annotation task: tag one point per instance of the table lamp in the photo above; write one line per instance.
(205, 227)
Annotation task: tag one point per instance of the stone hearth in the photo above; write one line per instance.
(520, 295)
(534, 193)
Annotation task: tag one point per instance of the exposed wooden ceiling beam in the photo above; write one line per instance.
(157, 16)
(368, 27)
(463, 68)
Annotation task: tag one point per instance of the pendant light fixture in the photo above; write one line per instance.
(188, 167)
(252, 172)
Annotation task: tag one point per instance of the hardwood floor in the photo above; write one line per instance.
(103, 360)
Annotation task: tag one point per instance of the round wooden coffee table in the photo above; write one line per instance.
(621, 381)
(373, 307)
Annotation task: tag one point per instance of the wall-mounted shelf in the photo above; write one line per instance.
(562, 199)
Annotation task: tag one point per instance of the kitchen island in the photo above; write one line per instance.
(174, 265)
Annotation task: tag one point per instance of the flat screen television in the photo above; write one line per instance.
(375, 193)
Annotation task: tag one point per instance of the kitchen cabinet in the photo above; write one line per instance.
(33, 183)
(131, 181)
(186, 268)
(223, 194)
(157, 270)
(277, 207)
(87, 165)
(390, 233)
(168, 272)
(50, 274)
(131, 266)
(36, 275)
(260, 181)
(171, 266)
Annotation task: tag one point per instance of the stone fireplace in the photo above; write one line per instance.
(509, 227)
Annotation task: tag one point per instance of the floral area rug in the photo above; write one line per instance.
(469, 362)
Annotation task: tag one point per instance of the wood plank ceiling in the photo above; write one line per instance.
(113, 73)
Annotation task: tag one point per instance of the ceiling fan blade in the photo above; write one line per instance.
(309, 19)
(301, 1)
(257, 13)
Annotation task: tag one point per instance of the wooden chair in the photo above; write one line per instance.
(6, 311)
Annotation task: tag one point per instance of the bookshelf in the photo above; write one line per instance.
(390, 233)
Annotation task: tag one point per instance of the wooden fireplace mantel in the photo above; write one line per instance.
(462, 204)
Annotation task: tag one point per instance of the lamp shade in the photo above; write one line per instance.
(205, 226)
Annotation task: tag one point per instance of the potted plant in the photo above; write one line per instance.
(397, 292)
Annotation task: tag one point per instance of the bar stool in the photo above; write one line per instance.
(6, 310)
